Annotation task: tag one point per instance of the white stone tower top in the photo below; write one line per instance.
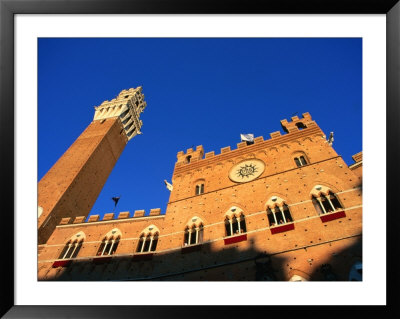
(127, 106)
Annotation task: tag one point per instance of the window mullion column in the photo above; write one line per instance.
(329, 200)
(143, 243)
(230, 222)
(320, 204)
(105, 246)
(69, 247)
(112, 244)
(75, 246)
(273, 214)
(197, 235)
(284, 218)
(151, 241)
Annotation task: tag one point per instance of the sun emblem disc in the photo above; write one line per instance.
(247, 170)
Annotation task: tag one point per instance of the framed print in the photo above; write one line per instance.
(248, 128)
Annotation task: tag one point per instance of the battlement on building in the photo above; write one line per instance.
(292, 129)
(127, 106)
(357, 157)
(154, 212)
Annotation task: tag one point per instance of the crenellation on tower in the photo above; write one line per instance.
(210, 154)
(289, 199)
(74, 182)
(275, 134)
(258, 139)
(139, 213)
(296, 128)
(297, 123)
(93, 218)
(108, 216)
(79, 219)
(123, 215)
(225, 149)
(111, 216)
(190, 155)
(127, 106)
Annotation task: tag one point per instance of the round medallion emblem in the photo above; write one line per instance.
(247, 170)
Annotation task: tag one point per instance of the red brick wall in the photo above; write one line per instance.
(72, 185)
(302, 250)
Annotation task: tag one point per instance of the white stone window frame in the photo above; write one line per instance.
(272, 205)
(73, 243)
(320, 192)
(109, 244)
(111, 239)
(151, 234)
(237, 213)
(194, 228)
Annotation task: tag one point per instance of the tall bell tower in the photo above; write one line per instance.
(71, 187)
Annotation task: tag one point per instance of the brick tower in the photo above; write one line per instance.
(71, 187)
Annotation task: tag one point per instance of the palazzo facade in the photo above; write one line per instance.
(286, 208)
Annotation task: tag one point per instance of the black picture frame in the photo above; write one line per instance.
(8, 10)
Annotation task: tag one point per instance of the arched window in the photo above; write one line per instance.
(188, 158)
(199, 188)
(108, 246)
(235, 225)
(148, 240)
(71, 249)
(193, 235)
(147, 243)
(300, 161)
(326, 202)
(278, 214)
(73, 246)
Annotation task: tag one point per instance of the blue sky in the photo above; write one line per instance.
(204, 91)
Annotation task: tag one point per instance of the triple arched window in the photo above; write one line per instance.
(148, 240)
(235, 224)
(110, 243)
(147, 243)
(278, 211)
(279, 214)
(72, 247)
(326, 202)
(108, 246)
(193, 235)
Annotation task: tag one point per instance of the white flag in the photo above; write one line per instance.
(169, 186)
(247, 138)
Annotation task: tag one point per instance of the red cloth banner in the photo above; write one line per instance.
(332, 216)
(235, 239)
(281, 229)
(61, 263)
